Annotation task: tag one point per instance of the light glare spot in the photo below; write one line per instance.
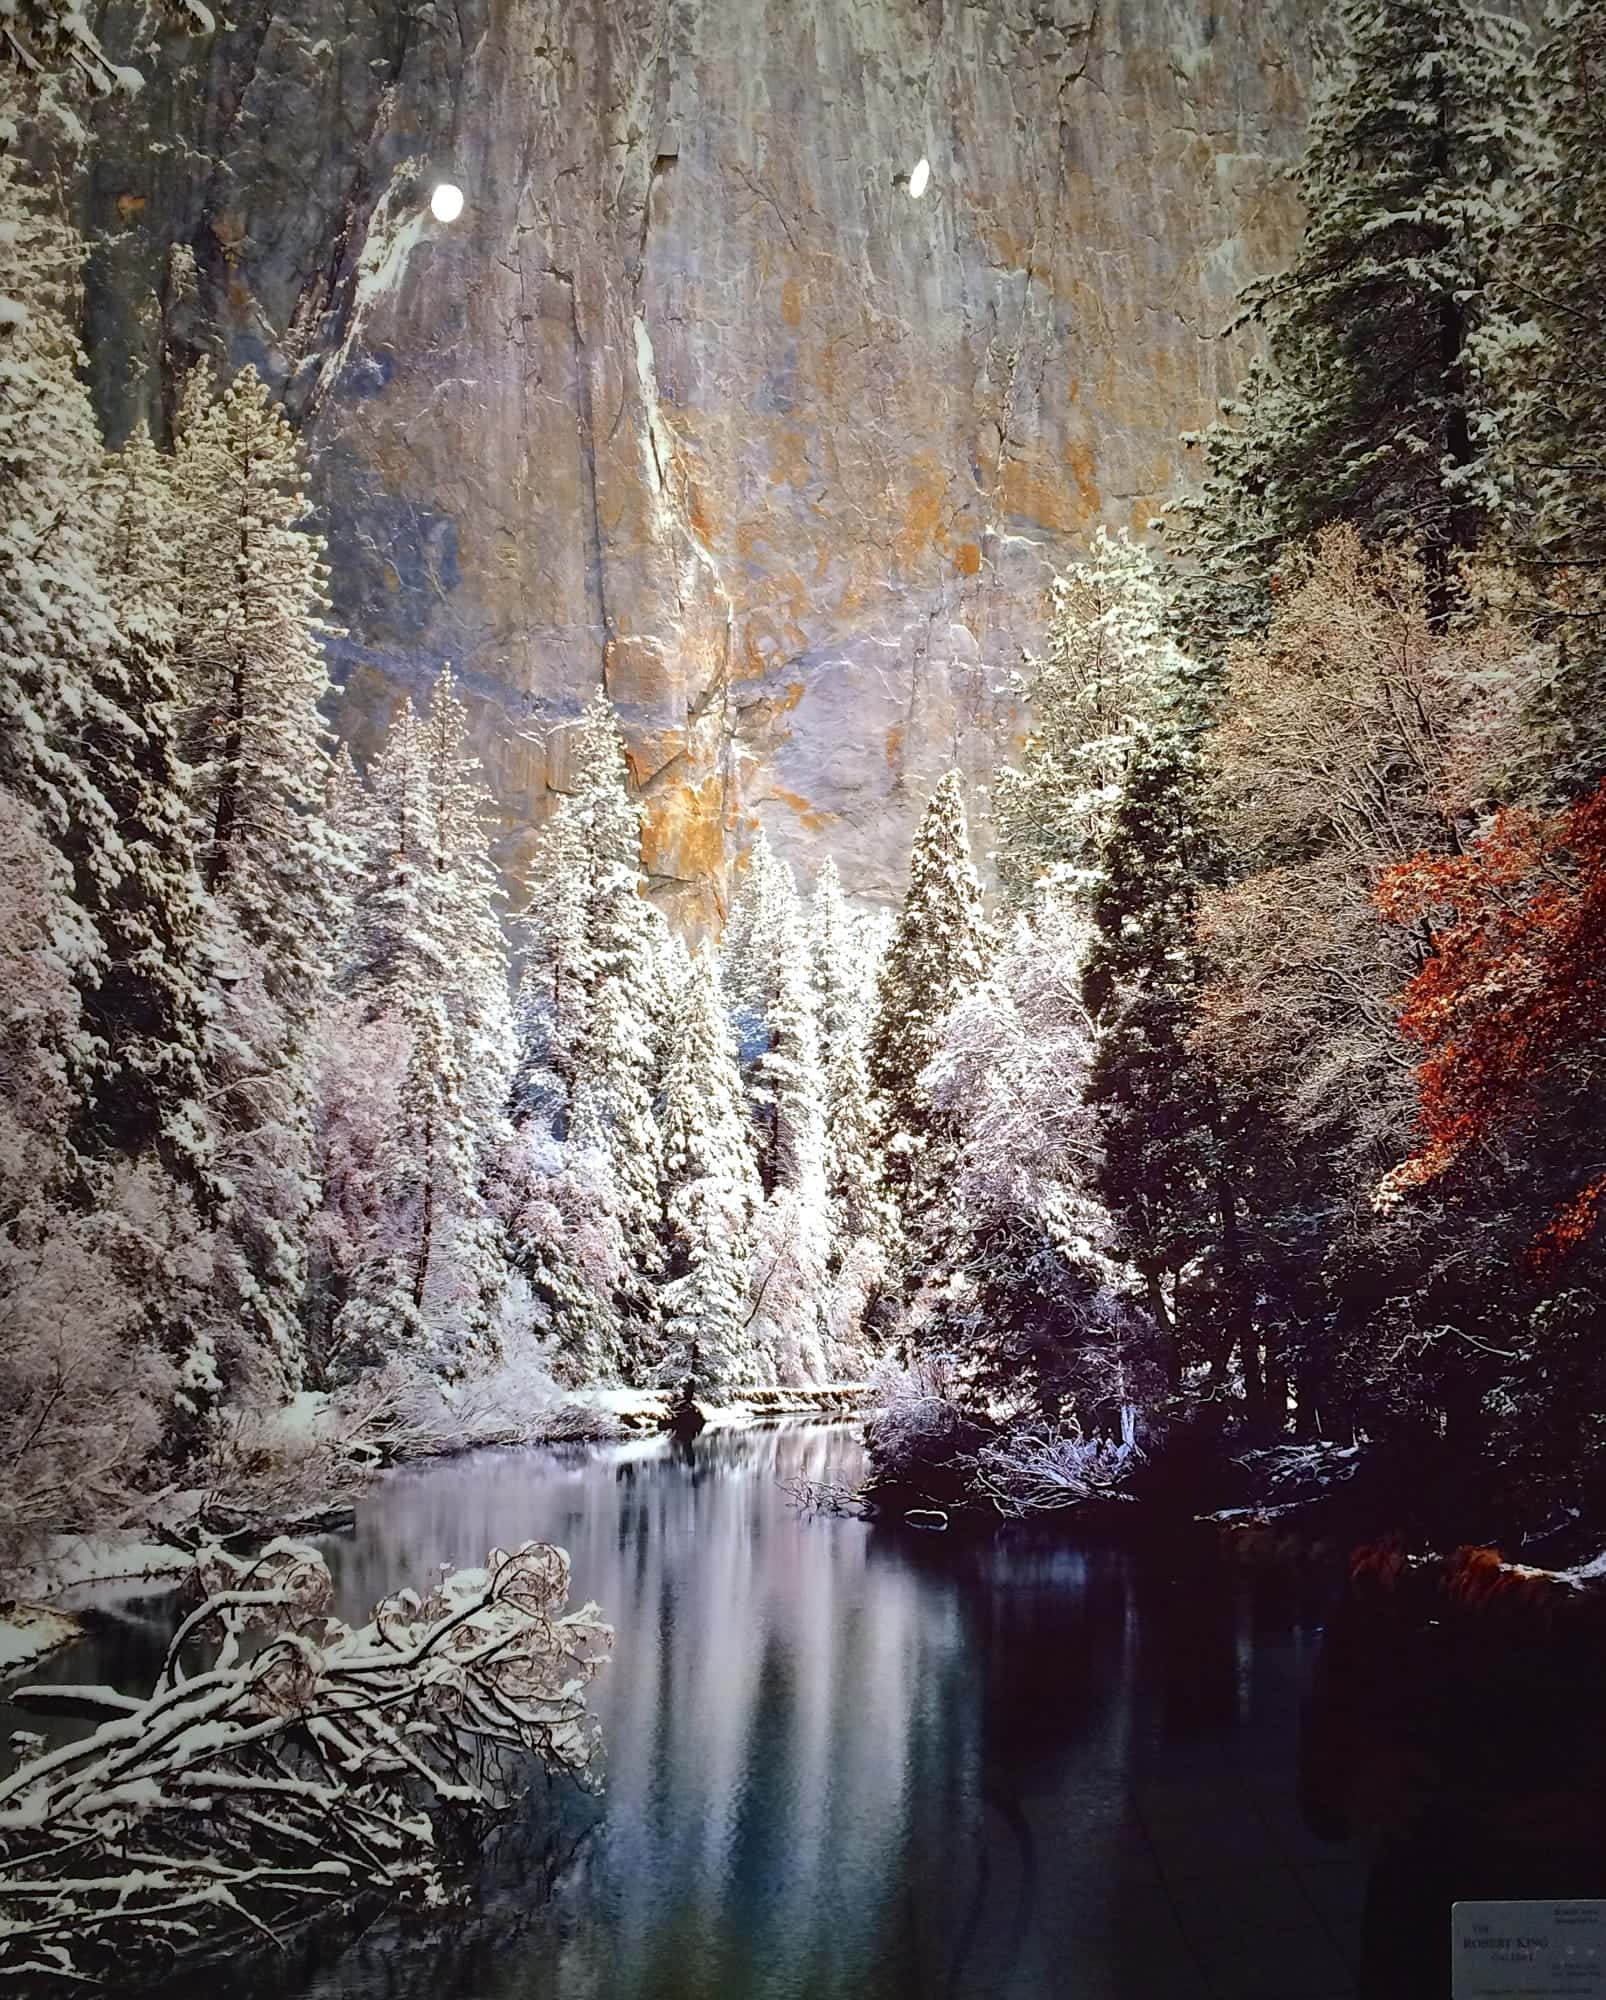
(918, 179)
(446, 203)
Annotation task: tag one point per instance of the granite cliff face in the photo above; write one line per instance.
(694, 397)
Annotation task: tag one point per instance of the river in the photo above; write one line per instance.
(846, 1763)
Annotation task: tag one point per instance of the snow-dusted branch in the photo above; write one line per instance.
(1039, 1468)
(329, 1764)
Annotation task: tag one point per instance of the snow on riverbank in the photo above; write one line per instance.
(28, 1632)
(649, 1409)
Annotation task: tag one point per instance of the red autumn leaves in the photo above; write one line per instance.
(1510, 1008)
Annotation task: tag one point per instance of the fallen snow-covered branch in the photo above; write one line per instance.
(1039, 1468)
(828, 1496)
(324, 1766)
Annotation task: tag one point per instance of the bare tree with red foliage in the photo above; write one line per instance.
(1511, 1007)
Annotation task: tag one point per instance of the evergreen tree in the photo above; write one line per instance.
(428, 970)
(1021, 1283)
(938, 954)
(770, 980)
(556, 1205)
(1106, 661)
(56, 625)
(148, 1009)
(1371, 407)
(560, 974)
(859, 1209)
(835, 953)
(468, 892)
(250, 674)
(592, 1012)
(712, 1195)
(1160, 1171)
(1550, 368)
(614, 1113)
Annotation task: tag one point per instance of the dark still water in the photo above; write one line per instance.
(844, 1762)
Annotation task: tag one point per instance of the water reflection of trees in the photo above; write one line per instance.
(841, 1761)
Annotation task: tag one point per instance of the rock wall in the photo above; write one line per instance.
(694, 397)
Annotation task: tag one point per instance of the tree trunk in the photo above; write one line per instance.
(426, 1232)
(1163, 1320)
(226, 812)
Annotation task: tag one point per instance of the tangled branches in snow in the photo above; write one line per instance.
(401, 1412)
(310, 1765)
(1038, 1468)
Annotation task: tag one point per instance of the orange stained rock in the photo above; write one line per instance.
(922, 514)
(967, 558)
(697, 513)
(1034, 494)
(683, 835)
(812, 819)
(791, 303)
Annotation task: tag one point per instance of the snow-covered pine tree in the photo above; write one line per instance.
(148, 1008)
(585, 918)
(712, 1195)
(468, 891)
(614, 1115)
(769, 980)
(1371, 408)
(1549, 369)
(592, 1008)
(1107, 661)
(428, 982)
(250, 673)
(556, 1205)
(1024, 1286)
(938, 953)
(771, 987)
(56, 625)
(845, 949)
(560, 972)
(119, 909)
(397, 976)
(1159, 1107)
(835, 955)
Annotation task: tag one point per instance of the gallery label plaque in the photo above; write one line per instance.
(1529, 1951)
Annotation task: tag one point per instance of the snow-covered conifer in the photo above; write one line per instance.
(427, 973)
(148, 1009)
(768, 965)
(1024, 1285)
(1371, 408)
(56, 625)
(1549, 367)
(938, 954)
(711, 1195)
(250, 672)
(556, 1205)
(1108, 661)
(593, 1004)
(613, 1112)
(1160, 1110)
(835, 953)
